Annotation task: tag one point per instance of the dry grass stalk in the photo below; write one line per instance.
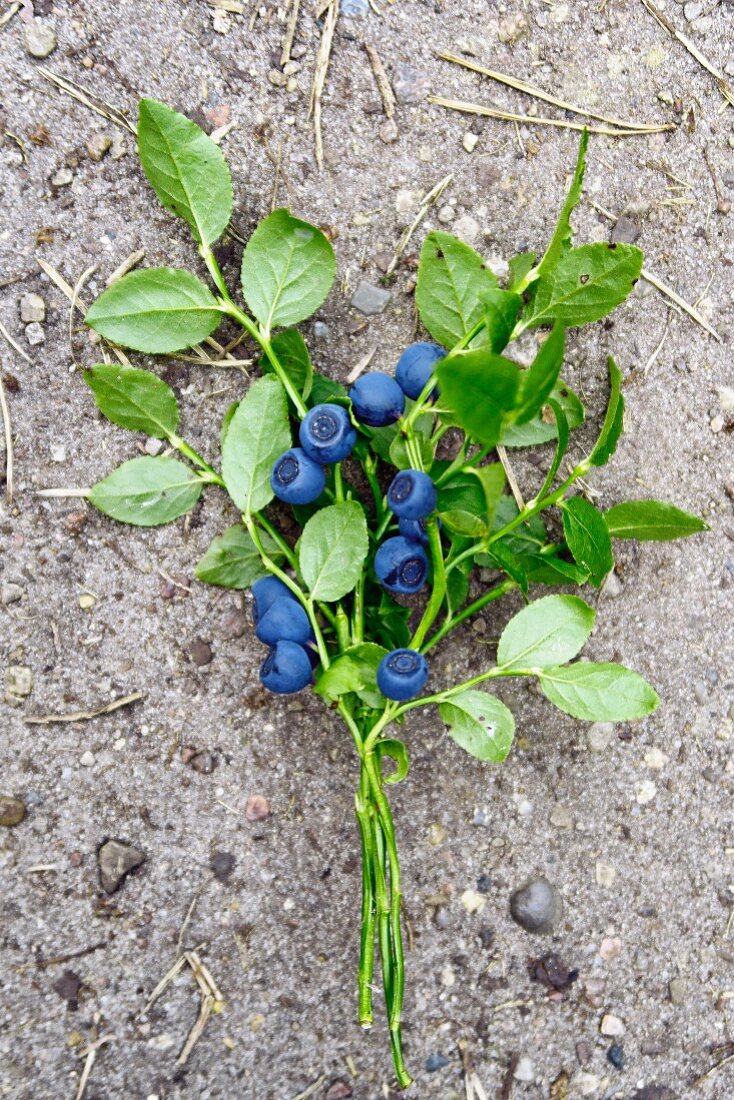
(90, 100)
(8, 443)
(382, 80)
(127, 265)
(510, 475)
(9, 13)
(724, 87)
(84, 715)
(432, 197)
(312, 1088)
(90, 1052)
(290, 32)
(319, 78)
(539, 120)
(16, 347)
(362, 365)
(537, 93)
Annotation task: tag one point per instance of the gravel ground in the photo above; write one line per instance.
(633, 825)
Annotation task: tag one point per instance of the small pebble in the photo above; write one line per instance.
(320, 331)
(599, 736)
(586, 1083)
(355, 8)
(12, 811)
(34, 334)
(153, 447)
(436, 834)
(32, 308)
(693, 10)
(537, 906)
(612, 1026)
(18, 680)
(203, 762)
(257, 808)
(200, 653)
(98, 145)
(473, 901)
(469, 141)
(612, 585)
(87, 759)
(116, 860)
(339, 1090)
(645, 792)
(605, 874)
(39, 39)
(435, 1062)
(448, 977)
(389, 131)
(467, 229)
(701, 692)
(611, 948)
(615, 1055)
(370, 299)
(561, 817)
(677, 990)
(409, 84)
(446, 214)
(625, 231)
(62, 178)
(10, 593)
(222, 865)
(655, 759)
(524, 1070)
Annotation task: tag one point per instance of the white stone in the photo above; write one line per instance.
(655, 758)
(34, 334)
(39, 39)
(645, 791)
(612, 1026)
(605, 874)
(524, 1070)
(87, 759)
(473, 901)
(599, 736)
(469, 141)
(32, 308)
(448, 978)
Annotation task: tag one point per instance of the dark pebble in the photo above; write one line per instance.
(67, 987)
(203, 762)
(339, 1090)
(12, 811)
(537, 906)
(552, 972)
(625, 231)
(222, 865)
(434, 1062)
(486, 937)
(116, 860)
(200, 652)
(615, 1055)
(484, 884)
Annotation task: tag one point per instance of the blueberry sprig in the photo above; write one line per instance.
(398, 486)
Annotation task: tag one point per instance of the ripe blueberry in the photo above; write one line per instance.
(326, 434)
(265, 592)
(284, 620)
(377, 399)
(415, 529)
(402, 674)
(296, 478)
(401, 565)
(411, 495)
(415, 367)
(286, 668)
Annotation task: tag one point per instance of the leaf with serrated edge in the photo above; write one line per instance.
(651, 520)
(562, 236)
(481, 388)
(233, 560)
(549, 631)
(537, 383)
(257, 435)
(135, 399)
(332, 550)
(599, 692)
(453, 281)
(288, 267)
(147, 491)
(157, 310)
(186, 169)
(480, 723)
(588, 538)
(612, 427)
(585, 285)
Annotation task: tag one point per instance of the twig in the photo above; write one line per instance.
(659, 348)
(538, 120)
(319, 78)
(381, 80)
(537, 93)
(723, 206)
(432, 197)
(311, 1089)
(9, 14)
(84, 715)
(290, 33)
(710, 1072)
(511, 479)
(14, 346)
(91, 1055)
(189, 914)
(724, 87)
(362, 365)
(90, 100)
(127, 265)
(62, 493)
(8, 443)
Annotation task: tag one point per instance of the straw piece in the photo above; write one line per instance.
(508, 116)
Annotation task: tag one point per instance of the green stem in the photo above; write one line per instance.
(369, 465)
(338, 483)
(367, 937)
(454, 620)
(358, 611)
(278, 540)
(193, 456)
(342, 628)
(438, 590)
(263, 339)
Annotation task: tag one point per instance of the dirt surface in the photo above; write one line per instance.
(88, 608)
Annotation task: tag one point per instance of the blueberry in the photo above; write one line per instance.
(415, 367)
(286, 668)
(377, 399)
(265, 592)
(402, 674)
(415, 529)
(326, 434)
(296, 478)
(412, 495)
(401, 565)
(284, 620)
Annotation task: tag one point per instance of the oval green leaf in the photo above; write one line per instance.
(134, 399)
(256, 435)
(147, 492)
(158, 310)
(588, 538)
(480, 723)
(332, 550)
(585, 284)
(599, 692)
(651, 520)
(453, 282)
(186, 169)
(549, 631)
(233, 560)
(287, 270)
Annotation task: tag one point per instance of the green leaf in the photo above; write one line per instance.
(537, 383)
(134, 399)
(613, 425)
(501, 308)
(462, 505)
(543, 426)
(292, 353)
(186, 169)
(397, 751)
(599, 693)
(549, 631)
(258, 433)
(480, 723)
(528, 537)
(147, 492)
(510, 563)
(561, 447)
(353, 672)
(383, 443)
(457, 584)
(287, 270)
(585, 285)
(398, 453)
(551, 570)
(588, 538)
(481, 388)
(653, 520)
(325, 389)
(233, 560)
(453, 283)
(520, 267)
(157, 310)
(562, 235)
(226, 421)
(385, 620)
(492, 480)
(332, 550)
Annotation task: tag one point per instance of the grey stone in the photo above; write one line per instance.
(98, 145)
(116, 860)
(12, 811)
(34, 334)
(537, 906)
(62, 178)
(467, 229)
(599, 736)
(10, 593)
(410, 85)
(32, 308)
(320, 331)
(625, 231)
(200, 652)
(39, 39)
(524, 1070)
(370, 299)
(18, 680)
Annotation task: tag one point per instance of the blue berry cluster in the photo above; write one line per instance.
(327, 436)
